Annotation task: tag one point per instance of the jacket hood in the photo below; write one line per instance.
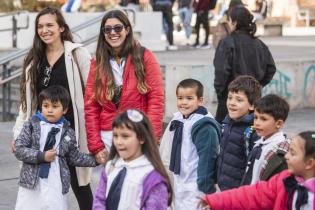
(70, 46)
(245, 119)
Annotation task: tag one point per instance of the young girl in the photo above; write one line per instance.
(291, 189)
(134, 177)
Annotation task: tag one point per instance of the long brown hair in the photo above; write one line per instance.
(144, 131)
(35, 55)
(103, 53)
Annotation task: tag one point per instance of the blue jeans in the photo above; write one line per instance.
(185, 14)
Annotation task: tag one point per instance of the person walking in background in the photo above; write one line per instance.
(222, 30)
(190, 146)
(238, 136)
(55, 59)
(240, 53)
(185, 10)
(201, 8)
(165, 6)
(123, 75)
(47, 146)
(134, 176)
(260, 12)
(290, 189)
(72, 6)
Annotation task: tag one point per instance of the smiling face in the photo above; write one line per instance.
(187, 100)
(128, 146)
(48, 29)
(113, 37)
(238, 105)
(266, 125)
(52, 111)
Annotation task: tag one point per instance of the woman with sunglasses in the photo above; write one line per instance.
(123, 75)
(55, 59)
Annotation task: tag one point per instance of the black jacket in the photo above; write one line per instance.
(232, 159)
(240, 54)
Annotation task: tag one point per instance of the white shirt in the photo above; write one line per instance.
(185, 184)
(268, 145)
(131, 192)
(118, 70)
(48, 193)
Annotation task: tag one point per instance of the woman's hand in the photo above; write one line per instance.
(101, 156)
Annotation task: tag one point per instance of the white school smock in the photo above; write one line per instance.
(185, 184)
(268, 145)
(137, 170)
(47, 195)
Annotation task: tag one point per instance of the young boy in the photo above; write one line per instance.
(46, 145)
(190, 146)
(267, 156)
(291, 189)
(238, 134)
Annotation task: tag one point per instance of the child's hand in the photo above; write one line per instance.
(101, 156)
(202, 205)
(13, 148)
(50, 155)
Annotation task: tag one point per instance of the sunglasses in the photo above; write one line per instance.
(116, 28)
(47, 73)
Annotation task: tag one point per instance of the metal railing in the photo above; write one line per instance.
(9, 73)
(15, 26)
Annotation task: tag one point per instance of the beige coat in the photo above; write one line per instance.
(83, 58)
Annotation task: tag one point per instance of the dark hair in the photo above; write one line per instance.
(273, 105)
(54, 93)
(309, 138)
(144, 131)
(244, 19)
(191, 83)
(103, 53)
(249, 85)
(37, 52)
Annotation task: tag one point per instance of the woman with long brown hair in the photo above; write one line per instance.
(55, 59)
(124, 75)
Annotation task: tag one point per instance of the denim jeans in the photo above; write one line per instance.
(185, 14)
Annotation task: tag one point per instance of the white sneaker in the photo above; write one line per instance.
(205, 46)
(172, 47)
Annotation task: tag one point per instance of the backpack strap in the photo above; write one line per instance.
(248, 134)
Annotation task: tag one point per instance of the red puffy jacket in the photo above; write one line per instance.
(269, 194)
(100, 117)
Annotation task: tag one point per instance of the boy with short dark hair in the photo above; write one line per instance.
(190, 146)
(267, 157)
(46, 145)
(238, 135)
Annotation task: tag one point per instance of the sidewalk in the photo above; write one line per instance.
(297, 121)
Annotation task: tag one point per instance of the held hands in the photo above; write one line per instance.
(202, 205)
(101, 156)
(50, 155)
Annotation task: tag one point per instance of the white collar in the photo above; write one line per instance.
(136, 163)
(276, 137)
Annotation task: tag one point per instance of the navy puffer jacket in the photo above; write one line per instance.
(232, 158)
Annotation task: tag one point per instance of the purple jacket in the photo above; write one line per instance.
(154, 194)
